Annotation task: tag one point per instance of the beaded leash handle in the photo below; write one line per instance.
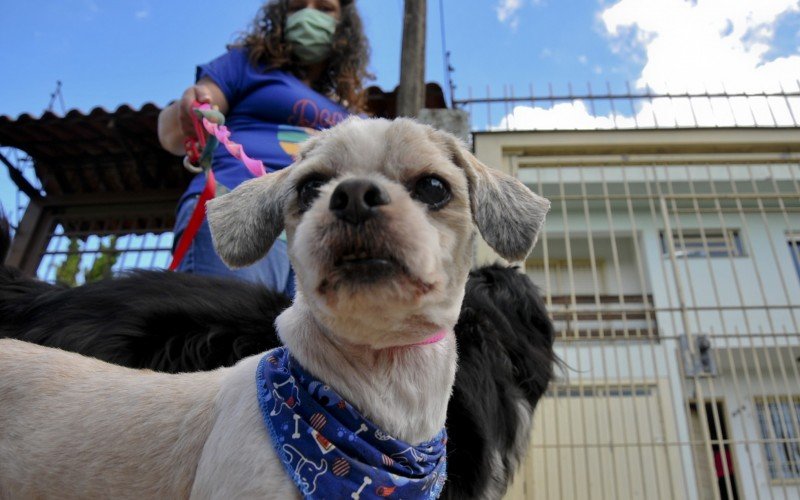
(214, 123)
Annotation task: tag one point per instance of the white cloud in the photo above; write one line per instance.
(142, 14)
(507, 9)
(583, 59)
(689, 46)
(562, 116)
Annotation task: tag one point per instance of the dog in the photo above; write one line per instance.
(174, 322)
(349, 206)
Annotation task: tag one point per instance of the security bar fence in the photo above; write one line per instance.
(630, 107)
(673, 279)
(78, 254)
(78, 249)
(81, 245)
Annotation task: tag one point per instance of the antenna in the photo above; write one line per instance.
(57, 95)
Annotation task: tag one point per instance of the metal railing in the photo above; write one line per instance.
(74, 256)
(22, 163)
(613, 109)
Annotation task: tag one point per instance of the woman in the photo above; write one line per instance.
(300, 68)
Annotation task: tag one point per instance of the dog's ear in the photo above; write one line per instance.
(245, 222)
(509, 216)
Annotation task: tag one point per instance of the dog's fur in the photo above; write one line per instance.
(327, 296)
(168, 322)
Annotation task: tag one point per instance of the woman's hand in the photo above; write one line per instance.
(199, 93)
(175, 121)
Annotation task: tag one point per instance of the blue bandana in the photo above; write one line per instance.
(332, 451)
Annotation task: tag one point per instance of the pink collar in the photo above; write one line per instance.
(436, 337)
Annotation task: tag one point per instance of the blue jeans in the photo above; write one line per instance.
(274, 270)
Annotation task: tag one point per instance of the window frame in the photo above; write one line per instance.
(770, 445)
(793, 242)
(689, 243)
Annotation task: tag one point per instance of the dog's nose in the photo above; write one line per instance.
(356, 200)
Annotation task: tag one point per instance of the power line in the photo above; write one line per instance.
(448, 69)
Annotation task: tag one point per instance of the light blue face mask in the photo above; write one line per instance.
(310, 32)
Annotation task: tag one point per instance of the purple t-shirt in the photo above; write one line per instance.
(270, 112)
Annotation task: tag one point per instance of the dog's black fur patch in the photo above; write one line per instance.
(171, 322)
(505, 363)
(177, 322)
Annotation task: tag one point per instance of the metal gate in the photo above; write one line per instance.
(672, 274)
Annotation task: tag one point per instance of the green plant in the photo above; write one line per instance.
(68, 271)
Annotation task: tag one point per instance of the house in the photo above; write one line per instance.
(670, 263)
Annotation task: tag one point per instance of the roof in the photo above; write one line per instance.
(99, 152)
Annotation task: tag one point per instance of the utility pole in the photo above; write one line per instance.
(411, 94)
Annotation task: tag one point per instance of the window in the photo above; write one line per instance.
(628, 390)
(581, 281)
(718, 243)
(794, 249)
(779, 423)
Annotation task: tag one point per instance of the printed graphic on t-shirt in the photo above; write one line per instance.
(290, 138)
(306, 113)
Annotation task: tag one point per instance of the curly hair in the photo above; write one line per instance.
(343, 78)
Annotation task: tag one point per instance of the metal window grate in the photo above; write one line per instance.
(780, 431)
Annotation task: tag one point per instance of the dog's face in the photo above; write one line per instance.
(380, 219)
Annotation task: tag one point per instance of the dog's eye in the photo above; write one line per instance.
(432, 191)
(308, 191)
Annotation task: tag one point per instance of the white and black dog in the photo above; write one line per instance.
(174, 322)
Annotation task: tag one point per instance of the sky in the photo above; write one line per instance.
(112, 52)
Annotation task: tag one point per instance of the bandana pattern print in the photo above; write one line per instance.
(332, 451)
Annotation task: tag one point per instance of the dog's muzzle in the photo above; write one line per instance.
(357, 200)
(359, 249)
